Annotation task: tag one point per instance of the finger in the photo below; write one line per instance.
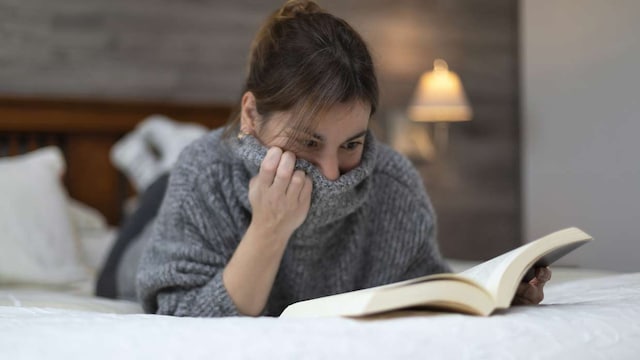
(269, 166)
(543, 274)
(305, 192)
(533, 293)
(284, 172)
(296, 184)
(529, 294)
(520, 298)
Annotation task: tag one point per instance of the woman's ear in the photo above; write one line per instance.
(249, 116)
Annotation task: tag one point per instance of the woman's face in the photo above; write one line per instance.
(334, 147)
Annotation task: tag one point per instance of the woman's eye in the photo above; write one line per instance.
(352, 145)
(309, 143)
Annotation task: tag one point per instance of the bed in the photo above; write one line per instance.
(586, 313)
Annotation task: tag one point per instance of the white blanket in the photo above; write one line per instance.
(584, 319)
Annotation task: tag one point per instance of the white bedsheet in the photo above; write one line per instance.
(66, 299)
(585, 319)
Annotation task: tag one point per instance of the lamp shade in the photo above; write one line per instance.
(439, 97)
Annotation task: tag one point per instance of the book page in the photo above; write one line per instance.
(489, 273)
(421, 279)
(500, 276)
(453, 294)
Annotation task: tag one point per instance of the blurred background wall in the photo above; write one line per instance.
(581, 86)
(196, 51)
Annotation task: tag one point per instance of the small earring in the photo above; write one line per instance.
(242, 134)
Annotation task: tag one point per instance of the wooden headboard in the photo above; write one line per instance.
(85, 130)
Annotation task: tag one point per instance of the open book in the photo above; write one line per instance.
(479, 290)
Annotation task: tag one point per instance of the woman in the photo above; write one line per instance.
(296, 199)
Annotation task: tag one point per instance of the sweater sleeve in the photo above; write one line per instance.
(180, 272)
(410, 216)
(427, 259)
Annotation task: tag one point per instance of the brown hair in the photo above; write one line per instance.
(306, 60)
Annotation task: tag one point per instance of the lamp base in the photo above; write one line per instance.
(441, 136)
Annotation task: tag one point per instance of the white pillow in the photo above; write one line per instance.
(37, 242)
(84, 217)
(94, 234)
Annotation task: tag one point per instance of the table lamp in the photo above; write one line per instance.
(439, 98)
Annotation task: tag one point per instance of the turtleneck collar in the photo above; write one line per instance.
(331, 201)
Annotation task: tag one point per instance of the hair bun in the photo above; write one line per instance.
(293, 8)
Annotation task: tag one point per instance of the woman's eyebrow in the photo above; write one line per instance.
(360, 134)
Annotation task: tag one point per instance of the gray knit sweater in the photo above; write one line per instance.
(373, 225)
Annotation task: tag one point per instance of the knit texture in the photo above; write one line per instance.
(372, 226)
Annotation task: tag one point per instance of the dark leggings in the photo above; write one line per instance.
(149, 204)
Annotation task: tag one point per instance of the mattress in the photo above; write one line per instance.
(586, 318)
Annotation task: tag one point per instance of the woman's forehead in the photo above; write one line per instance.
(341, 114)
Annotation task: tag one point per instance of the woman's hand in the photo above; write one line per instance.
(280, 196)
(531, 293)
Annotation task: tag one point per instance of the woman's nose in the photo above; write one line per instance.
(328, 166)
